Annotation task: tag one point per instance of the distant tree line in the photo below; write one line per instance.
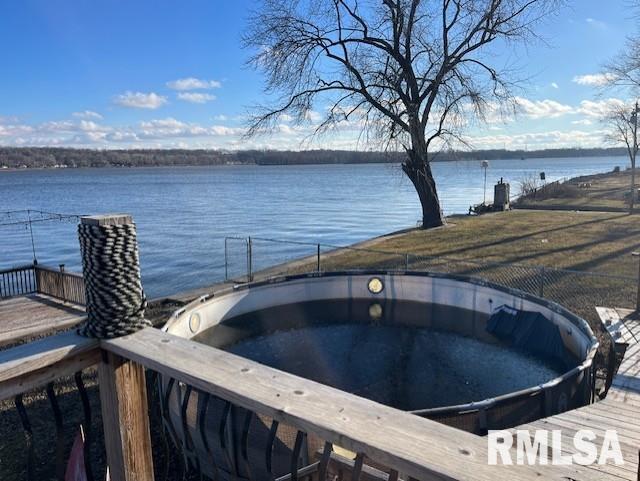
(50, 157)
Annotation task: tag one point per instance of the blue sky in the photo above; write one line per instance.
(119, 74)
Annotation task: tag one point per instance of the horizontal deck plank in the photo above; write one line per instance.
(35, 315)
(32, 365)
(629, 452)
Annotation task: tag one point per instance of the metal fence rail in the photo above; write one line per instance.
(34, 278)
(580, 291)
(17, 281)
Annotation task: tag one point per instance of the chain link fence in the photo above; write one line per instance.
(252, 258)
(237, 259)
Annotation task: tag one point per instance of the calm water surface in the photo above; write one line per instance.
(396, 357)
(184, 213)
(408, 369)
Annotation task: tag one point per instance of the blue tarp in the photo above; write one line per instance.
(530, 331)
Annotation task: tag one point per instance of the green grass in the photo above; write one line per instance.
(583, 241)
(600, 191)
(586, 241)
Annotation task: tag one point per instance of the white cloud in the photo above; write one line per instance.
(555, 85)
(313, 116)
(540, 109)
(90, 126)
(15, 130)
(222, 130)
(172, 128)
(196, 98)
(191, 83)
(139, 100)
(599, 24)
(579, 129)
(594, 80)
(541, 140)
(87, 114)
(599, 108)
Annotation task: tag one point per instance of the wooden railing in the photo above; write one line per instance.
(67, 286)
(387, 444)
(30, 279)
(17, 281)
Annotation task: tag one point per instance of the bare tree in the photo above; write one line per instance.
(408, 73)
(623, 71)
(623, 74)
(623, 122)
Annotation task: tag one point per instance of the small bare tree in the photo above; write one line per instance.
(406, 72)
(623, 122)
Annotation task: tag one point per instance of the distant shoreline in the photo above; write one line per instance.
(25, 158)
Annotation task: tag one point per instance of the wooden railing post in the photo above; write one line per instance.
(123, 393)
(123, 397)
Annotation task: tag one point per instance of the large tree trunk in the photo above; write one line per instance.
(418, 170)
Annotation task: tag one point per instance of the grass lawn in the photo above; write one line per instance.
(600, 191)
(586, 241)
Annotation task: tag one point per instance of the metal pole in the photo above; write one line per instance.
(634, 118)
(637, 254)
(318, 265)
(484, 195)
(64, 294)
(484, 164)
(33, 245)
(226, 269)
(406, 262)
(249, 261)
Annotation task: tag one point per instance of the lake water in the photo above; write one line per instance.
(184, 213)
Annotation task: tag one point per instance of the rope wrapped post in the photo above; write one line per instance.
(111, 270)
(115, 307)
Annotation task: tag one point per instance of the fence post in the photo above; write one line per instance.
(318, 264)
(62, 280)
(541, 292)
(637, 255)
(36, 276)
(406, 262)
(249, 260)
(226, 271)
(115, 307)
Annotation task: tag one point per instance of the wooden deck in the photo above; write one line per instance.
(619, 411)
(35, 315)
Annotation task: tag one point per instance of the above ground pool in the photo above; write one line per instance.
(461, 351)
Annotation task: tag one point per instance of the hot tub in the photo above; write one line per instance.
(471, 354)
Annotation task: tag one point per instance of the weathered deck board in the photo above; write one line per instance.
(35, 315)
(620, 411)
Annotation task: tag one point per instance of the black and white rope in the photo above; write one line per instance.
(111, 268)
